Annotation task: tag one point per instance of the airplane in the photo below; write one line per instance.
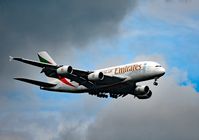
(114, 82)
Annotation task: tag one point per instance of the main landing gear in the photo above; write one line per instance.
(155, 82)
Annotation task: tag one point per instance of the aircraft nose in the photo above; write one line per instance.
(162, 71)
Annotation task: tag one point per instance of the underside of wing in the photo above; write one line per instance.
(116, 90)
(81, 73)
(81, 80)
(81, 77)
(34, 82)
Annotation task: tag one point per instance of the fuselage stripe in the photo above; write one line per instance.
(65, 81)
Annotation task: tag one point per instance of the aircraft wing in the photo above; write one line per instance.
(81, 73)
(34, 82)
(81, 80)
(34, 63)
(80, 77)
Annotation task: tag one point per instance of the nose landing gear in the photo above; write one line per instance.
(155, 82)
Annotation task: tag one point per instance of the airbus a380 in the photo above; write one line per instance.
(114, 82)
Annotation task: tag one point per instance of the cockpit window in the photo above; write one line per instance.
(157, 66)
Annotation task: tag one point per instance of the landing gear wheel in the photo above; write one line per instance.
(155, 83)
(113, 96)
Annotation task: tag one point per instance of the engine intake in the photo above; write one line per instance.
(96, 76)
(141, 90)
(64, 70)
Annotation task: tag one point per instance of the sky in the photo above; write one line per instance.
(91, 34)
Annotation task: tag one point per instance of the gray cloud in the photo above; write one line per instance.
(171, 113)
(52, 22)
(50, 119)
(56, 26)
(27, 27)
(15, 136)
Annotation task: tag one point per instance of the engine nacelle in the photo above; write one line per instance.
(64, 70)
(141, 90)
(96, 76)
(146, 96)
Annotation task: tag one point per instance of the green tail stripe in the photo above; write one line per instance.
(43, 60)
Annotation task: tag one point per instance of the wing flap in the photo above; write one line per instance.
(34, 82)
(84, 75)
(80, 80)
(81, 73)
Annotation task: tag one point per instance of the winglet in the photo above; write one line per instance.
(10, 58)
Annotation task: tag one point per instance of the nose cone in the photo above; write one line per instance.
(162, 71)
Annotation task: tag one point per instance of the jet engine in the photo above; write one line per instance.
(64, 70)
(143, 92)
(146, 96)
(96, 76)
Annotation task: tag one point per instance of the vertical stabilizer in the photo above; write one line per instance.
(45, 58)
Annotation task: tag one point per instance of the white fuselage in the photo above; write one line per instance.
(134, 72)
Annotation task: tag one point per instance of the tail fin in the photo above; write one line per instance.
(45, 58)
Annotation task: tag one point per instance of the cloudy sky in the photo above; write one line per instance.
(91, 34)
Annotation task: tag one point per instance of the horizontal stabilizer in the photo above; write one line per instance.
(34, 82)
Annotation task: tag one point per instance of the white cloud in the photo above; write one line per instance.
(177, 12)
